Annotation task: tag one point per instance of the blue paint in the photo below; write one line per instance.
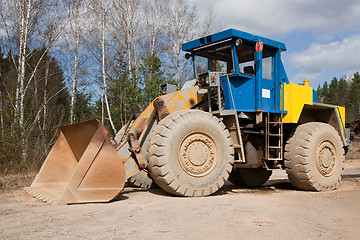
(315, 96)
(250, 92)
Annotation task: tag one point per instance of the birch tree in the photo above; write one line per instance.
(126, 19)
(100, 12)
(210, 23)
(53, 22)
(76, 62)
(181, 25)
(77, 58)
(153, 27)
(19, 20)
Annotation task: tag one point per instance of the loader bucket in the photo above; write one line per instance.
(83, 166)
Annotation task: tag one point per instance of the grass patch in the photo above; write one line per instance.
(16, 181)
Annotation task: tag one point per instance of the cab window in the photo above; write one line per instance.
(216, 59)
(246, 59)
(267, 65)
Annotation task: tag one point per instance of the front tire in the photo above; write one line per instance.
(191, 153)
(314, 157)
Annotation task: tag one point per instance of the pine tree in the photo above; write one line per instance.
(152, 77)
(123, 92)
(342, 92)
(319, 90)
(333, 91)
(325, 92)
(354, 98)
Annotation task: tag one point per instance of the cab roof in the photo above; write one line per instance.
(230, 34)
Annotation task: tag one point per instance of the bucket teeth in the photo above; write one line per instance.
(41, 195)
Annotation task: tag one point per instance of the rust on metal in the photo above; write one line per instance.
(135, 148)
(83, 166)
(160, 108)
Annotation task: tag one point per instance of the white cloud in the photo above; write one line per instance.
(343, 56)
(275, 17)
(299, 78)
(321, 62)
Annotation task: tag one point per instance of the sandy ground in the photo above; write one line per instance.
(275, 211)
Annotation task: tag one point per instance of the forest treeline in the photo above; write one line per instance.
(67, 61)
(343, 92)
(63, 62)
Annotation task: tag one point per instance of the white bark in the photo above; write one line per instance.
(154, 21)
(25, 7)
(76, 62)
(46, 79)
(127, 17)
(103, 63)
(210, 24)
(181, 23)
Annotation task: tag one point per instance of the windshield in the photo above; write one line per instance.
(216, 59)
(246, 59)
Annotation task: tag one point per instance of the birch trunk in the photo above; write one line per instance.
(23, 32)
(76, 60)
(44, 123)
(103, 66)
(20, 90)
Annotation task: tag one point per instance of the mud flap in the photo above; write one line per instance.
(83, 166)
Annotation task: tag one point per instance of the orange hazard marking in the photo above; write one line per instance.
(259, 46)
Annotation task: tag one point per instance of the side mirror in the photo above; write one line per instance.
(238, 42)
(187, 55)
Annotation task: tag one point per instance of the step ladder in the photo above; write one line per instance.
(274, 137)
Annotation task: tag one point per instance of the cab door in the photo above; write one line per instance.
(267, 81)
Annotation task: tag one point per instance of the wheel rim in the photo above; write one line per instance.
(326, 158)
(197, 154)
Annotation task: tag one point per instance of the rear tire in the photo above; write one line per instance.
(190, 154)
(314, 157)
(251, 177)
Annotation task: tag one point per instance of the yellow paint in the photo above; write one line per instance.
(341, 117)
(296, 96)
(174, 102)
(294, 99)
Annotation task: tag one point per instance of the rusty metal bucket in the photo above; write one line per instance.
(83, 166)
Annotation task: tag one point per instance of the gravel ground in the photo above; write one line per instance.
(275, 211)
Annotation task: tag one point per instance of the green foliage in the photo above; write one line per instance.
(342, 93)
(353, 103)
(333, 91)
(325, 91)
(83, 110)
(46, 105)
(125, 89)
(152, 77)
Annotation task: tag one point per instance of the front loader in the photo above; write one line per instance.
(239, 119)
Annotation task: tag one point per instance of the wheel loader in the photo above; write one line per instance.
(238, 120)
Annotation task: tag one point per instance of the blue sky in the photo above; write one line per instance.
(322, 36)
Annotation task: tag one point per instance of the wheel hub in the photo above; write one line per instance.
(326, 158)
(197, 154)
